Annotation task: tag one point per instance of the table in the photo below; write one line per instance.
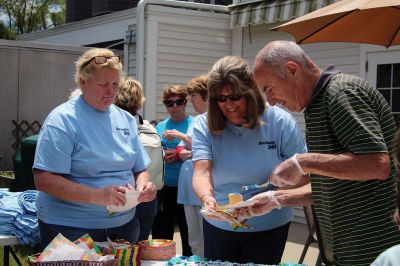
(7, 241)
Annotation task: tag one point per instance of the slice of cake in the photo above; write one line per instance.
(234, 198)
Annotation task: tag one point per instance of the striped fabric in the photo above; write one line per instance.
(356, 216)
(260, 12)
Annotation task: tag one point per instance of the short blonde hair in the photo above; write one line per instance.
(130, 95)
(198, 85)
(234, 73)
(88, 70)
(174, 90)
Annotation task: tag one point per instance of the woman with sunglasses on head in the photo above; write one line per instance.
(87, 158)
(238, 143)
(175, 99)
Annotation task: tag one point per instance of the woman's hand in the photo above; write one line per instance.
(171, 134)
(169, 155)
(148, 192)
(112, 195)
(208, 202)
(209, 206)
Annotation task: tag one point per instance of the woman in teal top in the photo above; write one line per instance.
(239, 142)
(175, 99)
(88, 154)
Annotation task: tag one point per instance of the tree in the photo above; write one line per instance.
(6, 33)
(23, 16)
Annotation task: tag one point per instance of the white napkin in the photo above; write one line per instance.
(131, 201)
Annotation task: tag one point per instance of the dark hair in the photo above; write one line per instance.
(233, 72)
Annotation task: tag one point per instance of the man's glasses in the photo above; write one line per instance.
(223, 98)
(170, 103)
(102, 59)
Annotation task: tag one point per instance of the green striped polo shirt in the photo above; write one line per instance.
(347, 114)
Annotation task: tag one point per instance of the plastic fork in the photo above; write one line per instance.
(255, 186)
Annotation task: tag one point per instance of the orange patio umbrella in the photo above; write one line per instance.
(360, 21)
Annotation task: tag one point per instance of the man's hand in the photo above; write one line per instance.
(289, 172)
(264, 203)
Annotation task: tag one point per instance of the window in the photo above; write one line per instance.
(388, 83)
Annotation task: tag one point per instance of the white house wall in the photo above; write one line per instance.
(180, 45)
(130, 51)
(89, 31)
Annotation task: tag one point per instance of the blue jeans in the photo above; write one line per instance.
(128, 231)
(145, 213)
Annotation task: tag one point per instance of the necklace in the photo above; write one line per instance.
(238, 130)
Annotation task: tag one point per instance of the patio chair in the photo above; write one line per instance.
(325, 256)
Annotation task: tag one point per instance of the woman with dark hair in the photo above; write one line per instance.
(237, 143)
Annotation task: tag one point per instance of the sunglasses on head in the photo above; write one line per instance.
(170, 103)
(223, 98)
(102, 59)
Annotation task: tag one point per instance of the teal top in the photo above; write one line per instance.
(171, 170)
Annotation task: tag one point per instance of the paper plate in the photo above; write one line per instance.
(131, 201)
(241, 204)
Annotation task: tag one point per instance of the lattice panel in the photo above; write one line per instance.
(22, 130)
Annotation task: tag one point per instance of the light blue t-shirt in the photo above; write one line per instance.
(89, 147)
(242, 156)
(171, 170)
(390, 257)
(185, 191)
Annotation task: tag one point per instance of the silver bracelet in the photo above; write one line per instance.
(205, 194)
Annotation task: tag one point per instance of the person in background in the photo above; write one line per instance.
(239, 142)
(130, 98)
(88, 156)
(198, 94)
(350, 129)
(391, 256)
(175, 100)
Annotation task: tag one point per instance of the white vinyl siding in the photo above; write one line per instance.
(187, 43)
(130, 43)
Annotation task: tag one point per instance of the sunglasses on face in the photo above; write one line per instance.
(223, 98)
(102, 59)
(170, 103)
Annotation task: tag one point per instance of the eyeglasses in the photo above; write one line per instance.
(170, 103)
(233, 98)
(102, 59)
